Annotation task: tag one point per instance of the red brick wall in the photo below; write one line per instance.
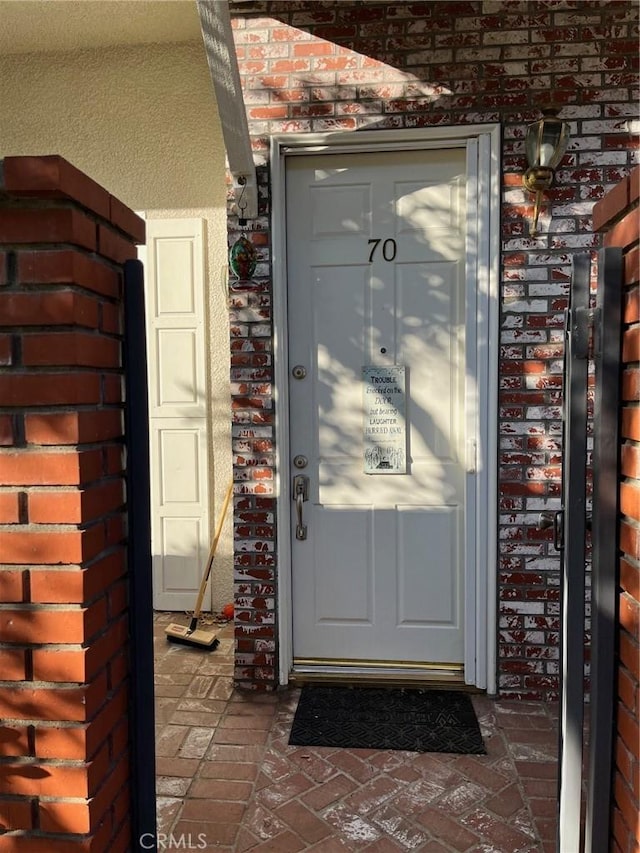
(63, 587)
(325, 66)
(618, 215)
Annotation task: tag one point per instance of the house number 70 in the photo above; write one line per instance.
(388, 249)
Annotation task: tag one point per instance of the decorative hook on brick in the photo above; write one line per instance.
(246, 196)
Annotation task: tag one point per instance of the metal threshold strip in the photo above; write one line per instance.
(396, 673)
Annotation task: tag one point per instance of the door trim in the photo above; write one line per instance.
(480, 595)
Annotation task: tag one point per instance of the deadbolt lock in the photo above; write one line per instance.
(299, 372)
(300, 461)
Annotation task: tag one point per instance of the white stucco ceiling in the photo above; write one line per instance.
(28, 26)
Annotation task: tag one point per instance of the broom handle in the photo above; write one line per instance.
(205, 577)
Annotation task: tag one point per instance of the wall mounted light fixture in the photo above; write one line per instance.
(545, 143)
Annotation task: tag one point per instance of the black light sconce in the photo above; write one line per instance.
(545, 143)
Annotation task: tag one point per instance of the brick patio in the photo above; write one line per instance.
(224, 769)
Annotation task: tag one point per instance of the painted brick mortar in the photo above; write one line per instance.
(318, 67)
(64, 743)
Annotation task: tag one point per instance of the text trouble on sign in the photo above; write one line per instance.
(385, 428)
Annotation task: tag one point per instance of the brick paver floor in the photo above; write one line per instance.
(228, 780)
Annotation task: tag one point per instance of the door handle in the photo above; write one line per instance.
(554, 519)
(300, 495)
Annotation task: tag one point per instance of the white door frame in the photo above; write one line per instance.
(483, 146)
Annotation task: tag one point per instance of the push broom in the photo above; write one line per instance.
(191, 635)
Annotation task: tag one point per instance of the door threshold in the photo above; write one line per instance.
(370, 676)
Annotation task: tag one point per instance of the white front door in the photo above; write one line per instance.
(377, 244)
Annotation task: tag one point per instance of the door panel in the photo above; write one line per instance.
(179, 540)
(344, 589)
(177, 365)
(375, 246)
(427, 598)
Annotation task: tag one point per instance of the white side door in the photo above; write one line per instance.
(175, 314)
(376, 248)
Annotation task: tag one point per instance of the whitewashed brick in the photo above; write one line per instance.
(563, 19)
(604, 158)
(511, 443)
(527, 306)
(557, 260)
(507, 37)
(561, 226)
(509, 547)
(543, 412)
(513, 322)
(524, 337)
(513, 291)
(549, 288)
(580, 49)
(576, 241)
(252, 432)
(630, 110)
(432, 57)
(523, 607)
(522, 428)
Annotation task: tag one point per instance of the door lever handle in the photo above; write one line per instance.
(300, 495)
(554, 519)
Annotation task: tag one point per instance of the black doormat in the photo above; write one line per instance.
(386, 718)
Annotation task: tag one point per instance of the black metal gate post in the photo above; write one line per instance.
(606, 465)
(574, 529)
(141, 708)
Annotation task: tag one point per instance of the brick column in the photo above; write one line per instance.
(253, 437)
(64, 775)
(618, 215)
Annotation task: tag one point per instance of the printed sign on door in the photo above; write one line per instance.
(385, 429)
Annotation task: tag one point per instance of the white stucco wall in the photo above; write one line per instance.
(142, 121)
